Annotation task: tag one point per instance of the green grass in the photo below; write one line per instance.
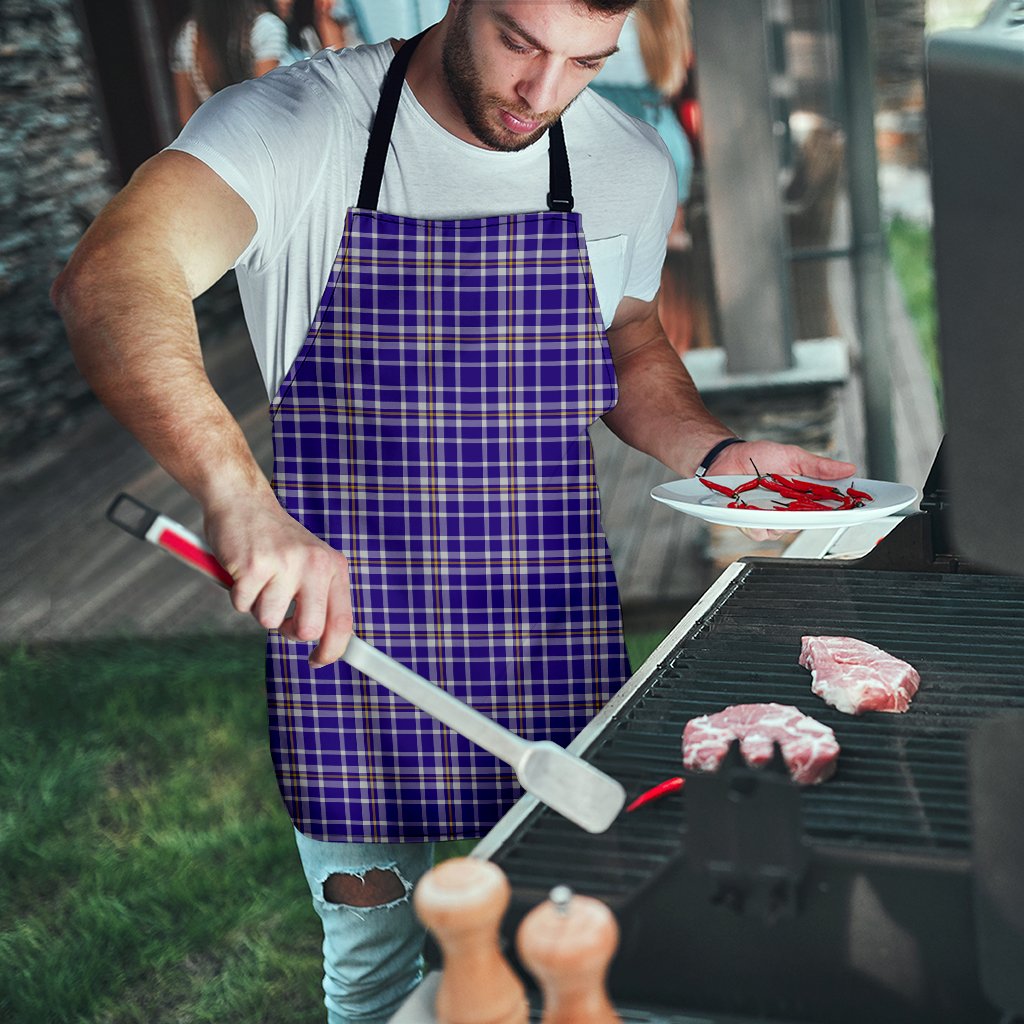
(910, 248)
(147, 867)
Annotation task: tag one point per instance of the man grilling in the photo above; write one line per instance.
(440, 309)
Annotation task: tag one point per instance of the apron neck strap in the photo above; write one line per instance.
(559, 196)
(383, 122)
(560, 193)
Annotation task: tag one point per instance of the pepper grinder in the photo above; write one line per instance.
(462, 901)
(567, 943)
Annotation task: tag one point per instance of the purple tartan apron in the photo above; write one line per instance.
(434, 428)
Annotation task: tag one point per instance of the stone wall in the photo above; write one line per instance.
(54, 178)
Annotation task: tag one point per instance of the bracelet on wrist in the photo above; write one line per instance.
(705, 463)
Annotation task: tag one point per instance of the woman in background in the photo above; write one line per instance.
(645, 79)
(314, 25)
(221, 43)
(647, 74)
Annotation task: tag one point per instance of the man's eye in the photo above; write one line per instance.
(590, 65)
(513, 46)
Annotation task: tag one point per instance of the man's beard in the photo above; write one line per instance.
(466, 87)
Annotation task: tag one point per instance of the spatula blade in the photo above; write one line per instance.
(574, 788)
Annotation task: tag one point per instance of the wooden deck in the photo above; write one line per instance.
(69, 574)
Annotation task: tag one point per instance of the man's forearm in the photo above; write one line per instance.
(133, 333)
(660, 411)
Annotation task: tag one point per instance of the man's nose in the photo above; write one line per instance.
(539, 88)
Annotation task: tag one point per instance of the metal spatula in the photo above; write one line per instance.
(575, 789)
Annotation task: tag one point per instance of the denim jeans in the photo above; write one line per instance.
(372, 955)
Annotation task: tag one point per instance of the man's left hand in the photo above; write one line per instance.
(772, 457)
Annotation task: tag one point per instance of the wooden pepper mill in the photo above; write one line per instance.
(462, 901)
(567, 943)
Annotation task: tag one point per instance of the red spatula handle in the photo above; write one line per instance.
(147, 524)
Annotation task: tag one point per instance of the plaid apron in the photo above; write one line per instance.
(434, 428)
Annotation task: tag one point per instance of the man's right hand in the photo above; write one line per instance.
(276, 561)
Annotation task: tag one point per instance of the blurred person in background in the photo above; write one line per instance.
(373, 21)
(647, 75)
(314, 25)
(646, 78)
(221, 43)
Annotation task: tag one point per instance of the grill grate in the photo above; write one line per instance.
(901, 786)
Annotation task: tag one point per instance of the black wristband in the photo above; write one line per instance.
(705, 463)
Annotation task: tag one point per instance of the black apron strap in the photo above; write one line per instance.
(560, 184)
(560, 197)
(383, 122)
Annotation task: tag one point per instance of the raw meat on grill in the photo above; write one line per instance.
(855, 677)
(809, 748)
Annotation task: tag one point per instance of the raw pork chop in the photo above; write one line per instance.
(809, 748)
(855, 677)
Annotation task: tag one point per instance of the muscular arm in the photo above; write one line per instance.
(126, 300)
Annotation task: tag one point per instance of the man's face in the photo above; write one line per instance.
(513, 66)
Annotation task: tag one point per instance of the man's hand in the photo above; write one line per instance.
(274, 562)
(772, 457)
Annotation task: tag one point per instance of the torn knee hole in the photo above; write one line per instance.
(372, 889)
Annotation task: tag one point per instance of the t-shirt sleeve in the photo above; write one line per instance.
(652, 235)
(269, 140)
(269, 38)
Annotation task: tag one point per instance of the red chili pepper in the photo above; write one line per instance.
(822, 490)
(862, 495)
(721, 488)
(770, 484)
(807, 505)
(749, 485)
(793, 485)
(809, 487)
(656, 793)
(789, 492)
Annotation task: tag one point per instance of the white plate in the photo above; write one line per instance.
(693, 498)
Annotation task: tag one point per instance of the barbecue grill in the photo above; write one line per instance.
(894, 892)
(746, 897)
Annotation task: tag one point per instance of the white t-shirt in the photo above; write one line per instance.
(292, 144)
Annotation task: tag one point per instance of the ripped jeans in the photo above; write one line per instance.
(373, 943)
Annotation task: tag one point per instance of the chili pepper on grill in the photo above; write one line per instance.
(656, 793)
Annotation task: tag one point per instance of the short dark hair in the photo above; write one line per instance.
(609, 6)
